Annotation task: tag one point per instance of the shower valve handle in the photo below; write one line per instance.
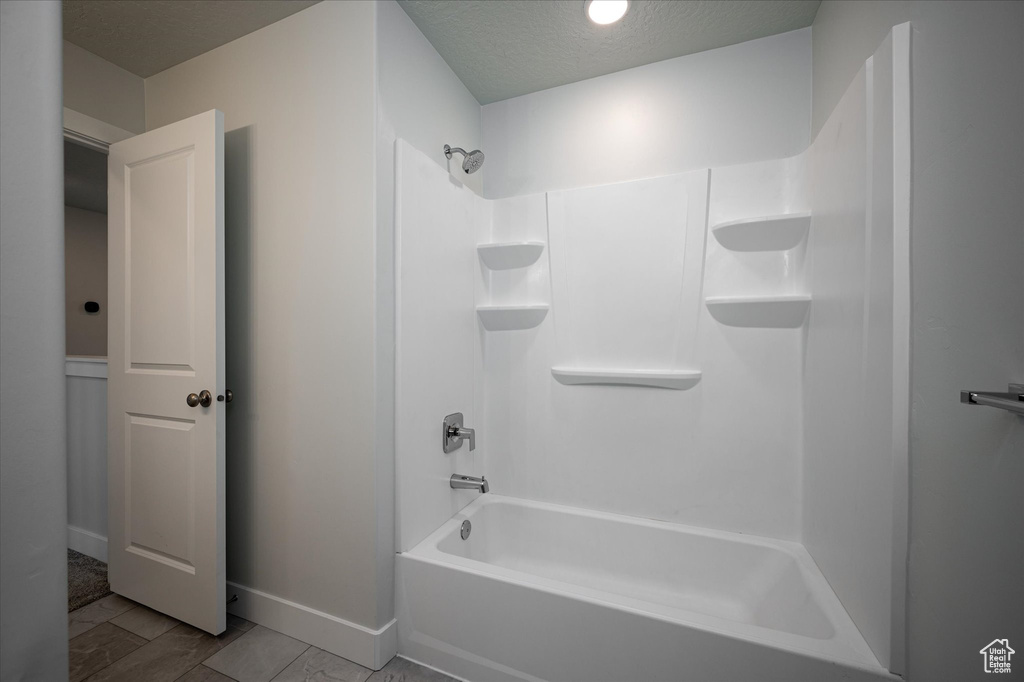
(453, 433)
(464, 433)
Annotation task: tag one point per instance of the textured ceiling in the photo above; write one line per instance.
(513, 47)
(85, 178)
(148, 36)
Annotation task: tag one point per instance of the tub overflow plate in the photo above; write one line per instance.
(467, 528)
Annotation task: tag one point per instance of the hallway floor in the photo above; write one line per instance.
(116, 639)
(87, 580)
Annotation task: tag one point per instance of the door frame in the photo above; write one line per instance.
(97, 135)
(92, 132)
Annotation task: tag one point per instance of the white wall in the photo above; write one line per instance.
(85, 279)
(95, 87)
(33, 511)
(967, 311)
(298, 102)
(421, 101)
(87, 455)
(737, 104)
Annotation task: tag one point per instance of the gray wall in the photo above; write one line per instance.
(95, 87)
(298, 103)
(85, 279)
(967, 250)
(33, 534)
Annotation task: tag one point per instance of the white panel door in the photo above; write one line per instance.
(166, 349)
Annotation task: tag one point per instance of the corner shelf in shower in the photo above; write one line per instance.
(768, 233)
(508, 255)
(499, 318)
(787, 311)
(677, 379)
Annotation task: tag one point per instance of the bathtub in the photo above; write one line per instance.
(545, 592)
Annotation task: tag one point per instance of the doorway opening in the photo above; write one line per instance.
(85, 314)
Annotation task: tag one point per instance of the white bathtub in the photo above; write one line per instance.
(545, 592)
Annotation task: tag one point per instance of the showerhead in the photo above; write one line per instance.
(473, 160)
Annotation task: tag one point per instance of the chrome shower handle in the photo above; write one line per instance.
(453, 433)
(463, 432)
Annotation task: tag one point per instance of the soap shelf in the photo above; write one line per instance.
(769, 233)
(677, 379)
(786, 311)
(496, 318)
(508, 255)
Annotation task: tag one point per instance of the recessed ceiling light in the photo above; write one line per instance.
(605, 11)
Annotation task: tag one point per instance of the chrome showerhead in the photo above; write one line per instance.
(473, 160)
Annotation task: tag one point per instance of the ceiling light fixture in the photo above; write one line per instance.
(605, 11)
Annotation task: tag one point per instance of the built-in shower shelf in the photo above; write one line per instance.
(508, 255)
(769, 233)
(760, 311)
(678, 379)
(499, 318)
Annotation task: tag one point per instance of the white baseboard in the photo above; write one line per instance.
(88, 543)
(369, 648)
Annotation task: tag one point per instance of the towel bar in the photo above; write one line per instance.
(1012, 400)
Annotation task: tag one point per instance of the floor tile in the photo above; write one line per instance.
(201, 673)
(256, 656)
(240, 623)
(403, 670)
(144, 622)
(167, 657)
(91, 615)
(317, 665)
(99, 647)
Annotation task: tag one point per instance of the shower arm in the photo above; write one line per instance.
(448, 151)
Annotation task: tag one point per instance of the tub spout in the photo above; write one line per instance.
(459, 482)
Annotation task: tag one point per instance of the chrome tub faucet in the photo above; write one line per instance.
(460, 482)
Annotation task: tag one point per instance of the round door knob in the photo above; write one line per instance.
(205, 398)
(192, 400)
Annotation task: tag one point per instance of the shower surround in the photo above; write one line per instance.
(636, 360)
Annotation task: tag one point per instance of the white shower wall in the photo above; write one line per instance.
(437, 343)
(725, 453)
(790, 431)
(856, 378)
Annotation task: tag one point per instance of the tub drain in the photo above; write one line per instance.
(467, 528)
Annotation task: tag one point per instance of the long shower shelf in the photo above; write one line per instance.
(760, 311)
(677, 379)
(508, 255)
(499, 318)
(768, 233)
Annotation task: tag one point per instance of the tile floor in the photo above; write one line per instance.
(115, 639)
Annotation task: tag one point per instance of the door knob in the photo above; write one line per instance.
(205, 398)
(229, 394)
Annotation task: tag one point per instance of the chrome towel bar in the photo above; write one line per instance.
(1012, 400)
